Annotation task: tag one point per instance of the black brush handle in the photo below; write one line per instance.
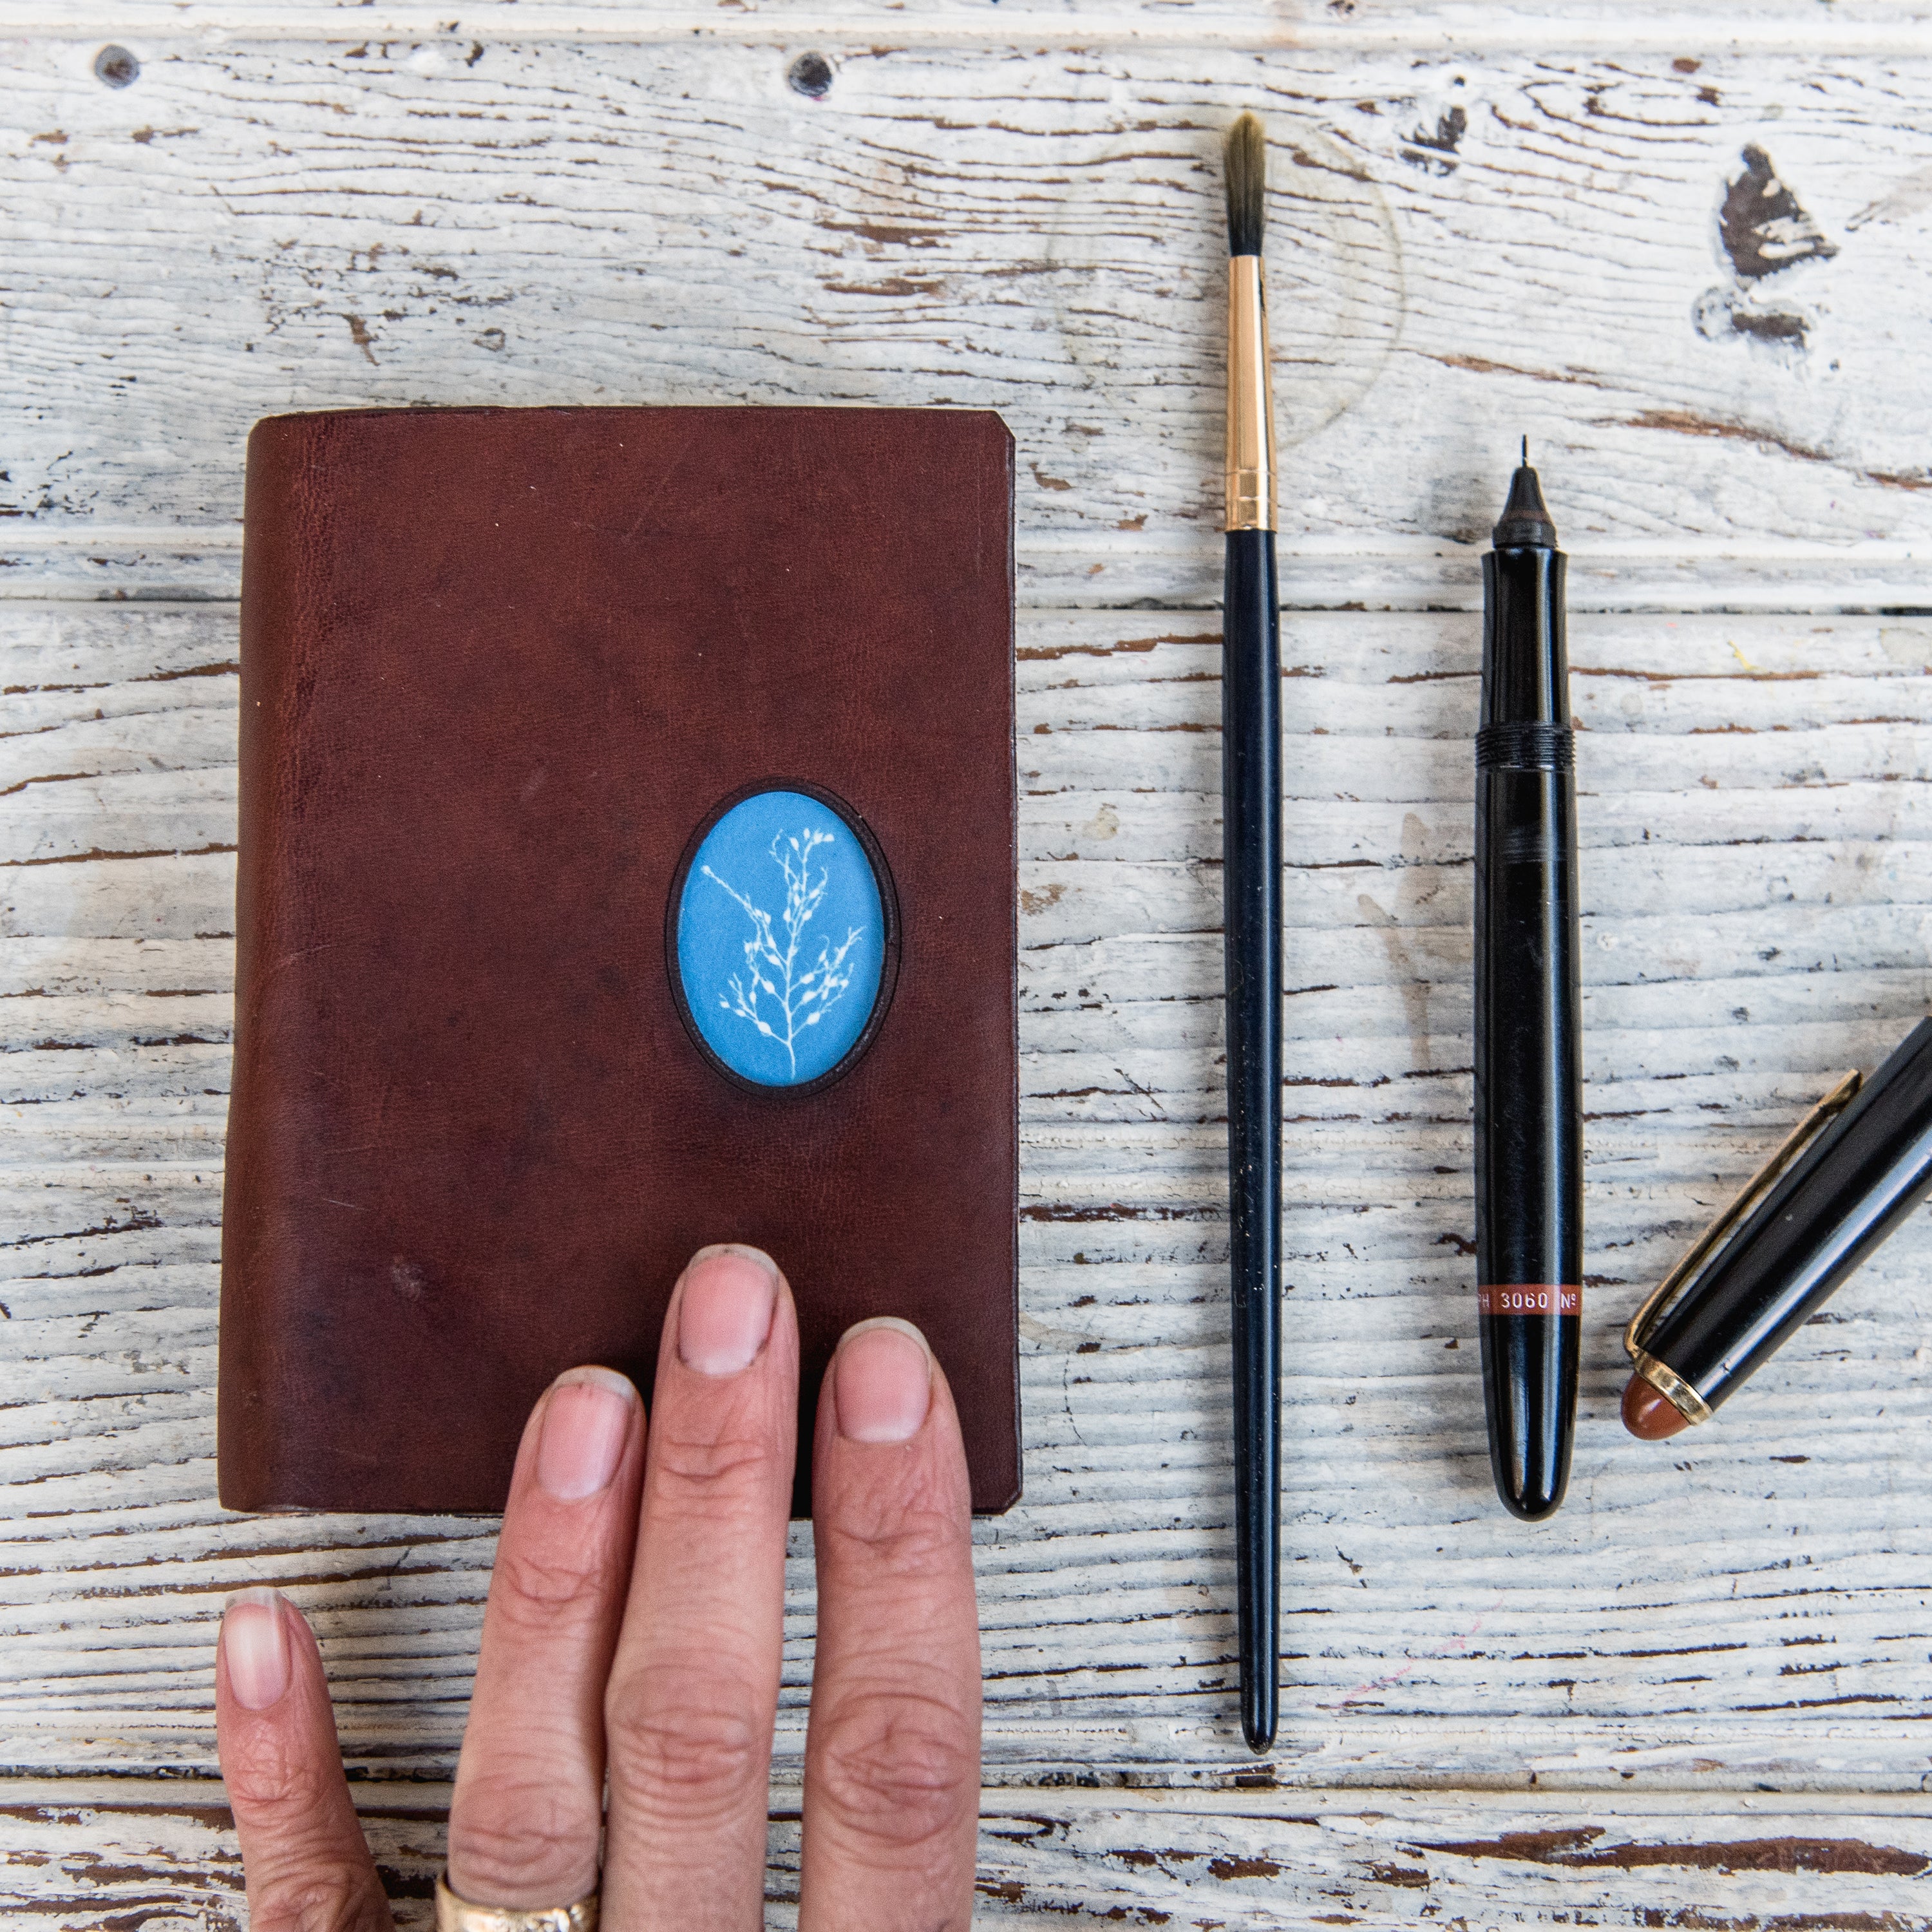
(1251, 891)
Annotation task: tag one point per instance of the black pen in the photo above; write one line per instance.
(1849, 1175)
(1528, 1071)
(1251, 900)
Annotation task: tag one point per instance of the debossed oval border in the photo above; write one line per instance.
(888, 911)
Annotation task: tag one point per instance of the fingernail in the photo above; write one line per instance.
(586, 1417)
(726, 1311)
(884, 1387)
(255, 1646)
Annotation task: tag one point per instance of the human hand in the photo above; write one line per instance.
(633, 1630)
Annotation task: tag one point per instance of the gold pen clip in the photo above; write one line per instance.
(1641, 1325)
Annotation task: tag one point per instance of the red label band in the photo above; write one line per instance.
(1529, 1297)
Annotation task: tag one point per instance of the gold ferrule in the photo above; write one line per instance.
(1669, 1384)
(1250, 399)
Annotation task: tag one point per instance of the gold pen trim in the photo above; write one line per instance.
(1660, 1374)
(1662, 1377)
(1251, 467)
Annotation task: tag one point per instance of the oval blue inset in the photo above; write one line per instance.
(781, 939)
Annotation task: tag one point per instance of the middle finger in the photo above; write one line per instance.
(694, 1690)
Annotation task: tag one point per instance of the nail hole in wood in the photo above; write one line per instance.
(117, 66)
(811, 75)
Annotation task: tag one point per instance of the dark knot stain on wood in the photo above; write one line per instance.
(1441, 147)
(810, 75)
(1225, 1869)
(1573, 1849)
(1775, 326)
(1763, 229)
(359, 333)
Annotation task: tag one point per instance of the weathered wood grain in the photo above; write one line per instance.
(85, 1853)
(1724, 1613)
(1463, 249)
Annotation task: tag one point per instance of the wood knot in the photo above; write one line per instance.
(810, 75)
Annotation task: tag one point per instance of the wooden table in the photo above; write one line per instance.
(1689, 252)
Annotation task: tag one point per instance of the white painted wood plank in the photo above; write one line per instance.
(87, 1852)
(1867, 27)
(258, 225)
(1746, 1607)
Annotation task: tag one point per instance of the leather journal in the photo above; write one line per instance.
(627, 864)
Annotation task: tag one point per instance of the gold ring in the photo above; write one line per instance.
(1669, 1384)
(458, 1915)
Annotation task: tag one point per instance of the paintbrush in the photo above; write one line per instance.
(1251, 890)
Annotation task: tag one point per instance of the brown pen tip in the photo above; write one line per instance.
(1649, 1414)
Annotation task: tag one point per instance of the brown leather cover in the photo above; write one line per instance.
(496, 666)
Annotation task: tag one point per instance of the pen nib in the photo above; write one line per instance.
(1525, 517)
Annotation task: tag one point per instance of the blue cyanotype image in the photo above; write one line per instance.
(781, 938)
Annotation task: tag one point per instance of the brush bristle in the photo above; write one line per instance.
(1245, 163)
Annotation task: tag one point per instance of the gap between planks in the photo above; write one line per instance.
(430, 1797)
(1780, 26)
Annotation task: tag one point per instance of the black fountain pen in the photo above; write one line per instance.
(1529, 1078)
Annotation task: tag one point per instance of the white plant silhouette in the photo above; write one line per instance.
(800, 999)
